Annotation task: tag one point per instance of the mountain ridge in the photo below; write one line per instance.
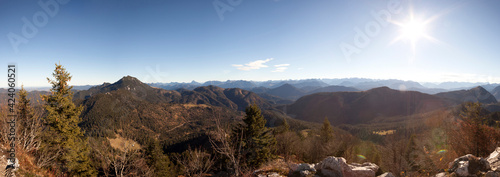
(363, 106)
(476, 94)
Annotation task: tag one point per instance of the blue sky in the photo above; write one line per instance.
(185, 40)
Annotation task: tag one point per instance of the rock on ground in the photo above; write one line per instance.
(442, 174)
(332, 166)
(494, 160)
(361, 170)
(387, 174)
(492, 174)
(469, 165)
(302, 167)
(337, 167)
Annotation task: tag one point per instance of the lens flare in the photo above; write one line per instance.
(442, 151)
(361, 157)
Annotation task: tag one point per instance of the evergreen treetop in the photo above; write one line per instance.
(257, 142)
(326, 132)
(63, 134)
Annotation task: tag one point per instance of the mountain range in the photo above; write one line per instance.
(134, 109)
(309, 86)
(341, 104)
(232, 98)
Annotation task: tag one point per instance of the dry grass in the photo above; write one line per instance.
(120, 143)
(305, 132)
(384, 132)
(277, 165)
(26, 163)
(195, 105)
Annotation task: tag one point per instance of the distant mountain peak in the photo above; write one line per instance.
(208, 87)
(287, 91)
(496, 92)
(476, 94)
(479, 89)
(128, 81)
(287, 85)
(334, 88)
(129, 78)
(381, 89)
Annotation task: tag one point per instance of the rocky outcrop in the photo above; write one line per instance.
(464, 166)
(494, 160)
(332, 166)
(492, 174)
(303, 169)
(335, 167)
(469, 165)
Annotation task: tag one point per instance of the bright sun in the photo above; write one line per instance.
(413, 30)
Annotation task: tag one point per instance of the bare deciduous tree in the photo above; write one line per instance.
(46, 158)
(128, 161)
(29, 136)
(4, 125)
(221, 142)
(195, 162)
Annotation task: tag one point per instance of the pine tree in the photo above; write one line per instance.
(24, 112)
(63, 134)
(324, 143)
(473, 125)
(326, 132)
(285, 127)
(158, 161)
(24, 108)
(412, 153)
(257, 140)
(29, 125)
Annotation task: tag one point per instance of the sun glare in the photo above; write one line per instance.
(413, 30)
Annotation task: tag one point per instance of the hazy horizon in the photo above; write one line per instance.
(424, 84)
(182, 41)
(202, 82)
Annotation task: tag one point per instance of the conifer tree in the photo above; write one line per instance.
(324, 143)
(257, 140)
(29, 125)
(24, 108)
(158, 161)
(473, 125)
(326, 132)
(412, 153)
(285, 127)
(63, 134)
